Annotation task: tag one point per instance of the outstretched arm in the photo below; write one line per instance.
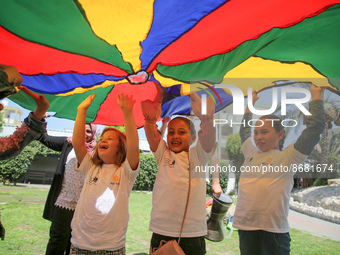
(40, 101)
(207, 134)
(33, 128)
(126, 103)
(315, 123)
(245, 131)
(152, 112)
(78, 139)
(216, 187)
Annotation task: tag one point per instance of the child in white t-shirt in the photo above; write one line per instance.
(101, 217)
(174, 161)
(261, 214)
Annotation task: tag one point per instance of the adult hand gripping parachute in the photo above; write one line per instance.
(67, 49)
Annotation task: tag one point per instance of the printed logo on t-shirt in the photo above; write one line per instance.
(169, 162)
(93, 180)
(115, 180)
(269, 160)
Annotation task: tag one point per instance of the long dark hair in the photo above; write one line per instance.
(278, 127)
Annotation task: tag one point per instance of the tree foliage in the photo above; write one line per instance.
(147, 173)
(233, 148)
(12, 169)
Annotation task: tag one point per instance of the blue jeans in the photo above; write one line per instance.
(260, 242)
(190, 245)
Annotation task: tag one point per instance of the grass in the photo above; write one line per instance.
(27, 232)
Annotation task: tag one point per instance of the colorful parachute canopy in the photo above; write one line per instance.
(67, 50)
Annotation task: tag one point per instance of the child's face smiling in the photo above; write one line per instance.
(108, 147)
(179, 138)
(266, 137)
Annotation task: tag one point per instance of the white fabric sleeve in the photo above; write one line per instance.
(160, 151)
(86, 164)
(132, 174)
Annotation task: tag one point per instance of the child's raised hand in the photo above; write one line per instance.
(315, 91)
(165, 123)
(196, 105)
(255, 96)
(151, 110)
(40, 101)
(87, 102)
(160, 93)
(125, 102)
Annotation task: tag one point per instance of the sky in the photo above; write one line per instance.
(53, 123)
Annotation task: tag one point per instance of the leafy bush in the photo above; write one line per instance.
(12, 169)
(320, 182)
(147, 174)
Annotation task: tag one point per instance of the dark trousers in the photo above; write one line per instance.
(60, 232)
(260, 242)
(190, 245)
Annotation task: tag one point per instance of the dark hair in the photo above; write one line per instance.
(121, 154)
(277, 125)
(188, 122)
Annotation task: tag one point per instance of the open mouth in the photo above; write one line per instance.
(176, 143)
(103, 146)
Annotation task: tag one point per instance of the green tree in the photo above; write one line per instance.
(147, 173)
(42, 149)
(12, 169)
(235, 154)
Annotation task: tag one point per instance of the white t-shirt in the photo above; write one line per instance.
(101, 217)
(263, 199)
(171, 189)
